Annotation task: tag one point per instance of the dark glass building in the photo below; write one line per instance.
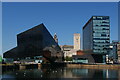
(96, 37)
(34, 43)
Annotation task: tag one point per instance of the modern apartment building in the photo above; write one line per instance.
(96, 37)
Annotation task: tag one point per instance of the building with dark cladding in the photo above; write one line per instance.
(35, 42)
(96, 37)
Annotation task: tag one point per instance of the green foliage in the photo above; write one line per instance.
(0, 58)
(68, 58)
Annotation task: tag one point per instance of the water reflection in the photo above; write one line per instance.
(63, 73)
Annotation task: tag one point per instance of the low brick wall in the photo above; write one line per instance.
(93, 66)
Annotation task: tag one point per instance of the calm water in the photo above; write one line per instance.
(63, 73)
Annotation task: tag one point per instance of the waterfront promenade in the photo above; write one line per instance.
(94, 66)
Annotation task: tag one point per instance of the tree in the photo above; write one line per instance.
(68, 58)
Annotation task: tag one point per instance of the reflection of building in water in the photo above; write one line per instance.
(83, 73)
(33, 43)
(110, 73)
(119, 74)
(80, 72)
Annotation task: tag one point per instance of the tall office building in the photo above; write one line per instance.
(96, 37)
(76, 41)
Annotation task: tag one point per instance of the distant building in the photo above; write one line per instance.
(76, 41)
(109, 57)
(83, 57)
(96, 37)
(67, 50)
(113, 47)
(70, 50)
(55, 38)
(115, 51)
(33, 44)
(118, 51)
(78, 56)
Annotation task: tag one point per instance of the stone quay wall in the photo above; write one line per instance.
(94, 66)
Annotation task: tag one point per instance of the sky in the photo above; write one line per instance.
(63, 18)
(59, 0)
(119, 21)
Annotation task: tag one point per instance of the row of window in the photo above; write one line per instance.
(100, 22)
(105, 25)
(101, 28)
(101, 35)
(100, 38)
(101, 45)
(101, 41)
(94, 27)
(101, 31)
(99, 51)
(99, 25)
(101, 18)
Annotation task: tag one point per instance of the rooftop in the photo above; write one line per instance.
(70, 46)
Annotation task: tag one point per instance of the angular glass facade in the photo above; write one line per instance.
(96, 35)
(35, 42)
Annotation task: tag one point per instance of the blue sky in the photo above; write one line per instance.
(65, 19)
